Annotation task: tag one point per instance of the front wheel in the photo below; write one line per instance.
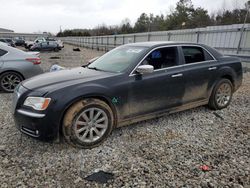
(56, 49)
(88, 123)
(221, 95)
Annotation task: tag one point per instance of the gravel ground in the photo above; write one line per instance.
(163, 152)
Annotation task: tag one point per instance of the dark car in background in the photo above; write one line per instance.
(45, 46)
(19, 41)
(8, 41)
(131, 83)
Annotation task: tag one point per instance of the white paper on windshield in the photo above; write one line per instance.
(134, 51)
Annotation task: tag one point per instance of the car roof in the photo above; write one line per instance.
(160, 43)
(155, 44)
(12, 52)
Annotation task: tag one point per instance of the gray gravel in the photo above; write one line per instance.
(164, 152)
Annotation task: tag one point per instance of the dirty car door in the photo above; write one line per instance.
(157, 91)
(200, 73)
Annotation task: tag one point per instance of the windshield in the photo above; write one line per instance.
(119, 59)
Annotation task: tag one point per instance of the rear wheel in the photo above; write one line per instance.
(88, 123)
(221, 95)
(9, 80)
(56, 50)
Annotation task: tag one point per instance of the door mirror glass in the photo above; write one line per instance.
(145, 69)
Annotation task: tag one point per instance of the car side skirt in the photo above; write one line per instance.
(162, 113)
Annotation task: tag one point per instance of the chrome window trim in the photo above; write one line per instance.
(30, 114)
(177, 45)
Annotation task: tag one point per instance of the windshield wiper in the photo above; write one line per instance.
(94, 68)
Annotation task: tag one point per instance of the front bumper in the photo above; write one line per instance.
(41, 125)
(36, 125)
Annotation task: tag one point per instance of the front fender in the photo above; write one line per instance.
(63, 99)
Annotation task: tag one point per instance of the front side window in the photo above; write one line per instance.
(162, 58)
(193, 54)
(119, 59)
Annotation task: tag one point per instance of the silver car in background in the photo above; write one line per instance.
(17, 65)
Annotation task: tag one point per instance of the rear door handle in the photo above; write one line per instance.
(177, 75)
(212, 68)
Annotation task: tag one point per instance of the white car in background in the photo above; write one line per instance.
(29, 44)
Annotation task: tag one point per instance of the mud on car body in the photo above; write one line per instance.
(131, 83)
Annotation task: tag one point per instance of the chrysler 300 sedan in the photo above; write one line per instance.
(131, 83)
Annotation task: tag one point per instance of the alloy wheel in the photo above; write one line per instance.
(91, 125)
(10, 81)
(223, 94)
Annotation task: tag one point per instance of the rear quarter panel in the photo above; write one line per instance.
(27, 69)
(231, 66)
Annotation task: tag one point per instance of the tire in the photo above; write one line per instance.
(221, 95)
(77, 128)
(56, 50)
(9, 80)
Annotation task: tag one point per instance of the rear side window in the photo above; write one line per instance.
(2, 52)
(195, 54)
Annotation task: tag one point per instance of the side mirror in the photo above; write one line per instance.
(145, 69)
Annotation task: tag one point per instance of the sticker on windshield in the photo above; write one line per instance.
(134, 51)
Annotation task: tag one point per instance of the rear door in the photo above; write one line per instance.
(200, 72)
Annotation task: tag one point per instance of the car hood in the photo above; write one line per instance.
(63, 78)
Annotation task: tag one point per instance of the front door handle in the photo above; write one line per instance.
(212, 68)
(177, 75)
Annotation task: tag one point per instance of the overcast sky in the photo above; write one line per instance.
(48, 15)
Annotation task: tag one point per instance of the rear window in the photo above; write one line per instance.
(2, 52)
(195, 54)
(50, 39)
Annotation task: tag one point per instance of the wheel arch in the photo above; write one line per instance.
(228, 73)
(229, 77)
(224, 73)
(100, 97)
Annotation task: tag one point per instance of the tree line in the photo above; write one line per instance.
(184, 16)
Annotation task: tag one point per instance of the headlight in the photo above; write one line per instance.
(37, 103)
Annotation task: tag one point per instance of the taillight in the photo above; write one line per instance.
(35, 61)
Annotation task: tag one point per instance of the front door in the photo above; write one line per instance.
(160, 90)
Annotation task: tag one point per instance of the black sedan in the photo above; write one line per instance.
(131, 83)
